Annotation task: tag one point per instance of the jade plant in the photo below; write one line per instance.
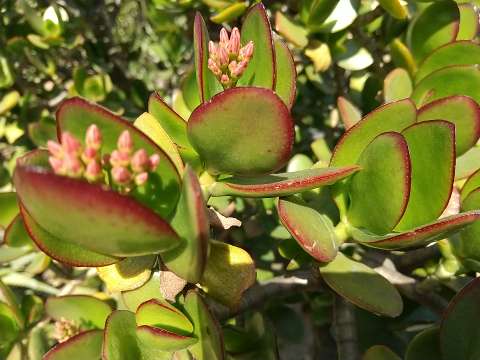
(135, 201)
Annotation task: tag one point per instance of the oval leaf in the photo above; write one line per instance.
(469, 25)
(150, 290)
(472, 183)
(467, 245)
(397, 85)
(286, 82)
(425, 345)
(157, 344)
(160, 314)
(119, 338)
(349, 113)
(468, 163)
(86, 345)
(380, 352)
(9, 206)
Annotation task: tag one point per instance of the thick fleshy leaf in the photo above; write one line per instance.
(192, 224)
(469, 22)
(230, 271)
(9, 298)
(460, 110)
(16, 234)
(349, 113)
(206, 329)
(157, 344)
(286, 81)
(313, 230)
(362, 286)
(453, 80)
(127, 274)
(379, 193)
(467, 244)
(315, 12)
(281, 184)
(119, 338)
(342, 16)
(207, 84)
(230, 121)
(397, 85)
(402, 56)
(459, 332)
(160, 314)
(82, 309)
(65, 252)
(394, 116)
(190, 94)
(456, 53)
(432, 153)
(380, 352)
(150, 290)
(425, 35)
(419, 236)
(86, 345)
(98, 219)
(229, 13)
(472, 183)
(394, 8)
(9, 327)
(468, 163)
(294, 33)
(9, 206)
(161, 192)
(425, 345)
(261, 68)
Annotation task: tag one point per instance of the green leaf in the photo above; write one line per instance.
(379, 193)
(100, 220)
(432, 153)
(190, 93)
(425, 35)
(226, 122)
(157, 344)
(468, 25)
(16, 234)
(362, 286)
(452, 80)
(192, 224)
(65, 252)
(455, 53)
(82, 309)
(313, 230)
(261, 68)
(120, 339)
(397, 85)
(9, 206)
(41, 131)
(206, 329)
(467, 163)
(467, 244)
(425, 345)
(380, 352)
(394, 8)
(230, 13)
(419, 236)
(75, 115)
(9, 327)
(207, 84)
(86, 345)
(460, 110)
(315, 12)
(294, 33)
(459, 332)
(282, 184)
(286, 81)
(38, 345)
(149, 290)
(342, 16)
(394, 116)
(472, 183)
(127, 274)
(160, 314)
(349, 113)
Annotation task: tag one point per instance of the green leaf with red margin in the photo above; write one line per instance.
(379, 193)
(261, 68)
(468, 163)
(9, 206)
(207, 84)
(16, 234)
(452, 80)
(158, 344)
(65, 252)
(394, 116)
(86, 345)
(82, 309)
(459, 331)
(425, 345)
(471, 184)
(469, 25)
(397, 85)
(161, 192)
(349, 113)
(455, 53)
(99, 219)
(161, 314)
(282, 184)
(150, 290)
(362, 286)
(460, 110)
(206, 329)
(425, 35)
(313, 230)
(119, 337)
(192, 224)
(467, 243)
(230, 122)
(380, 352)
(286, 81)
(419, 236)
(432, 153)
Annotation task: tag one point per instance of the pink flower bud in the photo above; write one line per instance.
(232, 66)
(223, 56)
(93, 171)
(89, 154)
(93, 137)
(212, 65)
(225, 80)
(70, 144)
(240, 68)
(55, 149)
(140, 161)
(125, 142)
(223, 36)
(141, 178)
(246, 52)
(73, 166)
(154, 161)
(212, 49)
(121, 175)
(118, 158)
(234, 43)
(57, 165)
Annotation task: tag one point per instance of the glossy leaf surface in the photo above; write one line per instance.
(160, 314)
(467, 246)
(472, 183)
(469, 22)
(86, 345)
(286, 81)
(349, 113)
(397, 85)
(8, 204)
(155, 343)
(119, 339)
(149, 290)
(425, 345)
(394, 8)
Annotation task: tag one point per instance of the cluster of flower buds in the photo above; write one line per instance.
(65, 329)
(127, 168)
(227, 59)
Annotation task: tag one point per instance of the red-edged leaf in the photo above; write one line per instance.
(160, 314)
(231, 121)
(89, 215)
(154, 340)
(286, 81)
(86, 345)
(281, 184)
(349, 113)
(119, 337)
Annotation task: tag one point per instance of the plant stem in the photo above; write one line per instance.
(345, 330)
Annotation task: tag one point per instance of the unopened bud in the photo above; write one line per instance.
(93, 138)
(118, 158)
(57, 165)
(121, 175)
(70, 144)
(140, 161)
(89, 154)
(125, 142)
(55, 149)
(225, 80)
(223, 56)
(141, 178)
(212, 65)
(154, 161)
(212, 49)
(234, 42)
(223, 36)
(73, 166)
(93, 171)
(246, 52)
